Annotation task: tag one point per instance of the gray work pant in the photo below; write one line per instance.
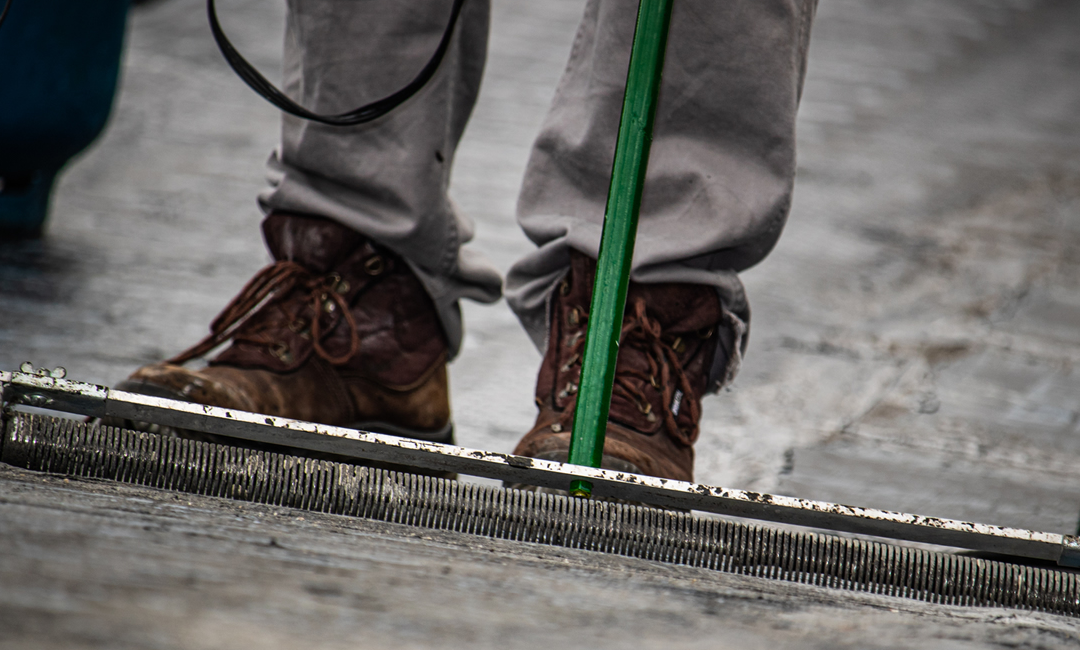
(720, 174)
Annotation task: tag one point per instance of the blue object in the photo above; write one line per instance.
(59, 63)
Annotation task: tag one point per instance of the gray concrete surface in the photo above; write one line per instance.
(117, 566)
(915, 344)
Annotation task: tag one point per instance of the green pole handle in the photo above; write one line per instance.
(617, 241)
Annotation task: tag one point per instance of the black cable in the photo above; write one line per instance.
(4, 12)
(365, 113)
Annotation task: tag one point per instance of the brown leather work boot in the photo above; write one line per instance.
(667, 351)
(337, 330)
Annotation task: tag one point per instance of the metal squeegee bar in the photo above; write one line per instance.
(98, 401)
(64, 446)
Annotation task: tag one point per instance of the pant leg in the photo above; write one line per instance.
(386, 179)
(722, 163)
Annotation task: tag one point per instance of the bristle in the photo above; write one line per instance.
(49, 444)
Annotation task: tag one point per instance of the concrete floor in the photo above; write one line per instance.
(915, 346)
(95, 564)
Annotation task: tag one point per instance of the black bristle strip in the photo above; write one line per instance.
(60, 446)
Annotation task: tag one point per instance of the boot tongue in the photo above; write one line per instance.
(679, 308)
(313, 242)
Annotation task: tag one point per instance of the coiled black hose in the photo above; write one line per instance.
(365, 113)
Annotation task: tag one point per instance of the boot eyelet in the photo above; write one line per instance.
(342, 287)
(564, 288)
(282, 352)
(678, 345)
(574, 317)
(375, 265)
(556, 428)
(706, 333)
(329, 306)
(300, 327)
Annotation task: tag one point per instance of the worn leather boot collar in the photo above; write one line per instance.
(314, 242)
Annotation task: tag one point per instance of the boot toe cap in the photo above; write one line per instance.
(176, 382)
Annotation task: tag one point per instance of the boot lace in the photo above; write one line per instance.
(666, 375)
(271, 286)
